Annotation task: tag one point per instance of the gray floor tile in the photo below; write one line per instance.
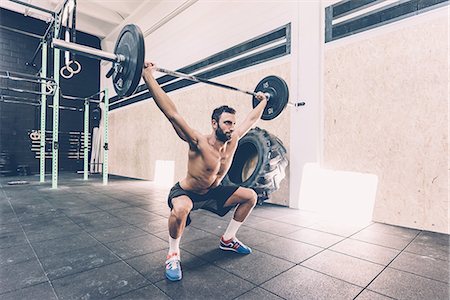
(293, 251)
(152, 265)
(190, 234)
(44, 221)
(135, 215)
(337, 227)
(38, 216)
(193, 286)
(394, 230)
(163, 212)
(302, 283)
(253, 221)
(396, 241)
(100, 283)
(256, 267)
(271, 212)
(155, 226)
(98, 198)
(374, 253)
(210, 224)
(315, 237)
(258, 294)
(34, 208)
(252, 237)
(298, 219)
(130, 199)
(434, 238)
(52, 232)
(16, 276)
(207, 249)
(70, 202)
(435, 245)
(80, 260)
(112, 204)
(137, 246)
(149, 292)
(275, 227)
(117, 233)
(64, 244)
(12, 238)
(8, 228)
(39, 291)
(8, 217)
(5, 207)
(402, 285)
(153, 205)
(422, 265)
(337, 265)
(136, 201)
(369, 295)
(14, 255)
(79, 210)
(97, 221)
(123, 196)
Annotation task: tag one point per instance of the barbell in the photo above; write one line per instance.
(128, 62)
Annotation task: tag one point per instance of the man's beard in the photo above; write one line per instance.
(222, 136)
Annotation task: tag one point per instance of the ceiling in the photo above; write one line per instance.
(96, 17)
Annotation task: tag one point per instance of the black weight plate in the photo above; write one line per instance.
(131, 45)
(278, 100)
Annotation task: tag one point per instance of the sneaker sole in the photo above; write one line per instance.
(234, 250)
(173, 279)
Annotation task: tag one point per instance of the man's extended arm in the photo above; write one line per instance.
(253, 116)
(166, 105)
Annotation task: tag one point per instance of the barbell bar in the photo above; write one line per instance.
(118, 58)
(87, 51)
(128, 62)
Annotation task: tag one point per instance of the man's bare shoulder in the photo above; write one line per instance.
(201, 140)
(202, 137)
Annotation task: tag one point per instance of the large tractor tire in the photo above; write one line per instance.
(259, 163)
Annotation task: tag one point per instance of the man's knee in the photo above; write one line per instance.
(181, 209)
(253, 198)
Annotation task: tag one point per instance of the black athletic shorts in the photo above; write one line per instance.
(214, 200)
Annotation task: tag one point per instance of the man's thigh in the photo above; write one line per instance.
(241, 195)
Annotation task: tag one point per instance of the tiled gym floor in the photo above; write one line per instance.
(89, 241)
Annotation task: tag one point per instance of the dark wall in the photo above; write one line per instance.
(17, 120)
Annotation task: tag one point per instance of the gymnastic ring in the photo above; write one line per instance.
(78, 69)
(69, 69)
(50, 86)
(35, 135)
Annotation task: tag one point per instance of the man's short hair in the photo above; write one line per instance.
(220, 110)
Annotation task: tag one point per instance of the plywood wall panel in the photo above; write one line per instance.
(386, 113)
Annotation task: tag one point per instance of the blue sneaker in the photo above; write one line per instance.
(173, 267)
(234, 245)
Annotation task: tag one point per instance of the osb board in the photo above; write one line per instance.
(140, 134)
(385, 113)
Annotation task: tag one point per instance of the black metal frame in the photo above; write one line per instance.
(372, 19)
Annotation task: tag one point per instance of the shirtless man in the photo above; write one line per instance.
(210, 157)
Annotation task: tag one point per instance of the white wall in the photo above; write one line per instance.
(307, 49)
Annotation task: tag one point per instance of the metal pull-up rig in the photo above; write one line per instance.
(41, 85)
